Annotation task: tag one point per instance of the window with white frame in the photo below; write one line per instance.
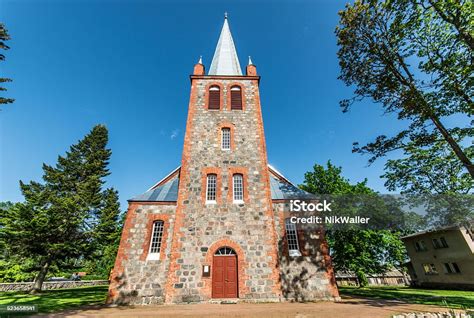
(292, 238)
(211, 188)
(238, 187)
(156, 237)
(225, 138)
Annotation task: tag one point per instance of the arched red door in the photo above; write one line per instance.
(224, 274)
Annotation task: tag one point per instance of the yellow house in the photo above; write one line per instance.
(442, 258)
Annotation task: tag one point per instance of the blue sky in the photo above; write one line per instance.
(126, 64)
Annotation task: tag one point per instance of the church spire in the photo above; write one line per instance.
(225, 60)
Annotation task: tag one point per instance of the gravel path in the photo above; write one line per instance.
(348, 307)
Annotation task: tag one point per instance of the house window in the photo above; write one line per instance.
(235, 97)
(156, 237)
(430, 269)
(292, 238)
(451, 268)
(420, 246)
(211, 188)
(225, 138)
(440, 243)
(214, 97)
(443, 242)
(238, 187)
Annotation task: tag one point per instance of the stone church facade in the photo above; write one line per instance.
(216, 228)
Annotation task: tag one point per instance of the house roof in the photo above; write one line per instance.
(435, 230)
(166, 190)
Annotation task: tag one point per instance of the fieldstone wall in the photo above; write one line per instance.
(52, 285)
(246, 227)
(310, 276)
(136, 279)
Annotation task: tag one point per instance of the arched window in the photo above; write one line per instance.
(225, 251)
(225, 138)
(211, 188)
(155, 242)
(214, 97)
(235, 97)
(292, 238)
(238, 187)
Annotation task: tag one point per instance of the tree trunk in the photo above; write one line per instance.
(39, 279)
(453, 144)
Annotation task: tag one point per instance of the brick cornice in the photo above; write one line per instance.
(225, 77)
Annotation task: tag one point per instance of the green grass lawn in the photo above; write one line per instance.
(453, 298)
(56, 300)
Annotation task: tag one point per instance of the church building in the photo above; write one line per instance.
(217, 229)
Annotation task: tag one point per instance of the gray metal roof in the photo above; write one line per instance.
(282, 190)
(166, 192)
(225, 60)
(167, 189)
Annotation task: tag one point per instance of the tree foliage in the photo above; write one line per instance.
(364, 251)
(68, 216)
(415, 57)
(3, 38)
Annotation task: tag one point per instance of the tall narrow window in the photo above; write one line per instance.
(211, 188)
(238, 187)
(292, 238)
(156, 237)
(214, 97)
(235, 97)
(225, 138)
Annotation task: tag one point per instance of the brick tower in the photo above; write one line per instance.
(215, 227)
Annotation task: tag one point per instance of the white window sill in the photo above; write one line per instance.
(211, 202)
(294, 253)
(225, 149)
(238, 201)
(153, 256)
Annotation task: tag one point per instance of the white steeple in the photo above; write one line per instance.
(225, 60)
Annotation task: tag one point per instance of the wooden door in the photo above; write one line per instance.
(224, 277)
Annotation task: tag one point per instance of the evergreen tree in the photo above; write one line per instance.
(4, 37)
(59, 217)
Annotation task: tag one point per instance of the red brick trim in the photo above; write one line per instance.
(205, 172)
(272, 239)
(241, 266)
(117, 276)
(151, 218)
(231, 126)
(324, 248)
(206, 96)
(183, 195)
(230, 193)
(242, 91)
(224, 77)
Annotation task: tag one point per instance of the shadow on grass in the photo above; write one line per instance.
(454, 299)
(57, 300)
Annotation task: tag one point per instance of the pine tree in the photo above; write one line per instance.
(4, 37)
(58, 218)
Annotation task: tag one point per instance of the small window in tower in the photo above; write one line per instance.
(211, 188)
(214, 97)
(235, 97)
(156, 237)
(238, 187)
(225, 138)
(292, 238)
